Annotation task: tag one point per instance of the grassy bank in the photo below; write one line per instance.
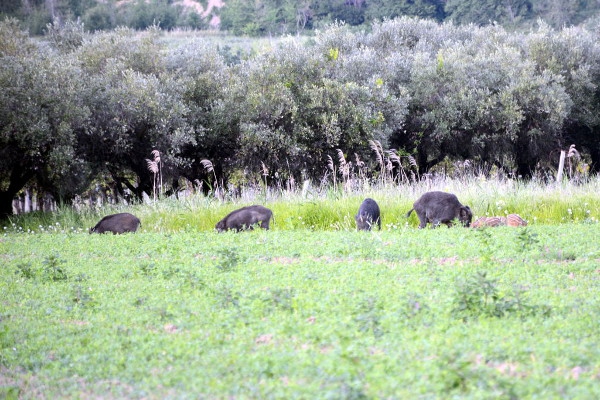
(323, 208)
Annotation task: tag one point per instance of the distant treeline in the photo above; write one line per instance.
(409, 95)
(273, 17)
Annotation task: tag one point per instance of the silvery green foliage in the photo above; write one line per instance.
(473, 94)
(40, 112)
(574, 55)
(136, 106)
(338, 36)
(138, 51)
(476, 100)
(67, 36)
(203, 78)
(407, 35)
(295, 104)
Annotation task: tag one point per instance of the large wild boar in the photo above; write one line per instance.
(117, 223)
(368, 215)
(440, 208)
(245, 218)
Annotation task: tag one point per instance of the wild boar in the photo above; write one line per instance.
(515, 220)
(440, 208)
(117, 223)
(245, 218)
(488, 222)
(368, 215)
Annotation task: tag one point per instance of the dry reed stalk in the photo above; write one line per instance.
(378, 149)
(331, 166)
(208, 167)
(394, 158)
(574, 158)
(155, 167)
(344, 166)
(156, 154)
(264, 173)
(413, 163)
(360, 166)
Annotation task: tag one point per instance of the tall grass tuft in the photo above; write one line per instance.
(209, 168)
(155, 166)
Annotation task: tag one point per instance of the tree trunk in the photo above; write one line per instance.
(17, 181)
(27, 6)
(525, 168)
(6, 209)
(51, 6)
(595, 166)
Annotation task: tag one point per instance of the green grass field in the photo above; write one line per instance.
(310, 309)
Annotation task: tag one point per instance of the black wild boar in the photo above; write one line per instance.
(244, 218)
(440, 208)
(368, 215)
(117, 223)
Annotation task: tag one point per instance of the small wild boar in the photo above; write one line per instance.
(440, 208)
(245, 218)
(368, 215)
(515, 220)
(117, 223)
(492, 222)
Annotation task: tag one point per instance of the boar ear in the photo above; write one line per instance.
(465, 211)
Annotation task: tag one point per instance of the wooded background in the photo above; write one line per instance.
(273, 17)
(83, 111)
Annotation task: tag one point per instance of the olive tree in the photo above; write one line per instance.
(136, 107)
(574, 55)
(296, 104)
(200, 70)
(481, 98)
(41, 112)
